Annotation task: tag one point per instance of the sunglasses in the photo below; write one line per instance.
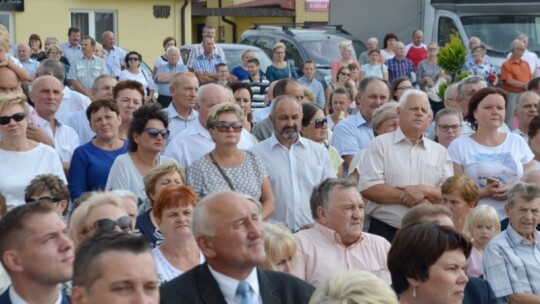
(223, 126)
(44, 199)
(153, 132)
(133, 59)
(319, 123)
(4, 120)
(107, 225)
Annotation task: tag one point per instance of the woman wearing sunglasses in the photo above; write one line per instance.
(178, 253)
(48, 188)
(133, 62)
(315, 127)
(343, 80)
(227, 167)
(21, 159)
(102, 212)
(147, 136)
(91, 162)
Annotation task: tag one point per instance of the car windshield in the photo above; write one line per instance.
(234, 58)
(324, 52)
(497, 32)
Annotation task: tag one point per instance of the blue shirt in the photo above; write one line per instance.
(202, 63)
(90, 168)
(273, 73)
(317, 88)
(399, 68)
(147, 229)
(352, 134)
(163, 87)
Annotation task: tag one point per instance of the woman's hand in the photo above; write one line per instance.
(501, 192)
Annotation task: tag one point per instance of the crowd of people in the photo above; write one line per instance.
(372, 190)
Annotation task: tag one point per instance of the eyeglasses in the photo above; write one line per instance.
(405, 88)
(346, 74)
(44, 199)
(223, 126)
(4, 120)
(107, 225)
(446, 128)
(319, 123)
(153, 132)
(133, 59)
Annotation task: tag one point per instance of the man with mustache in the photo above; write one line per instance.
(295, 165)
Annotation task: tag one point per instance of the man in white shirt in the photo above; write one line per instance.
(525, 109)
(530, 57)
(72, 49)
(37, 254)
(295, 165)
(29, 64)
(195, 141)
(46, 93)
(181, 110)
(114, 55)
(227, 227)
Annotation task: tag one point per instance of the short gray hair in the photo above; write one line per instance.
(411, 92)
(523, 95)
(172, 49)
(515, 44)
(526, 191)
(202, 92)
(320, 197)
(278, 100)
(383, 113)
(451, 90)
(472, 79)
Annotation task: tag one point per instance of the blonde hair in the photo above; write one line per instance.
(9, 100)
(354, 287)
(279, 45)
(157, 172)
(309, 96)
(277, 240)
(383, 113)
(222, 108)
(481, 214)
(466, 186)
(343, 45)
(4, 37)
(53, 47)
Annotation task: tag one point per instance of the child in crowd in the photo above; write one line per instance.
(481, 225)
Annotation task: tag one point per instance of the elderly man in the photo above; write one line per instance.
(204, 65)
(86, 68)
(165, 74)
(309, 68)
(72, 101)
(29, 64)
(195, 140)
(469, 59)
(515, 75)
(399, 66)
(372, 44)
(228, 229)
(208, 31)
(114, 55)
(402, 169)
(416, 51)
(72, 49)
(46, 93)
(295, 165)
(36, 253)
(336, 242)
(102, 88)
(181, 111)
(9, 81)
(124, 262)
(530, 57)
(525, 110)
(511, 263)
(355, 133)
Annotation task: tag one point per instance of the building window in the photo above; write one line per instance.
(94, 23)
(6, 19)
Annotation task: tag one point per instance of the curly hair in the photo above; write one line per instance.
(47, 182)
(140, 119)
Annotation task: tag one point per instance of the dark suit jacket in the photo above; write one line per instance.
(199, 286)
(4, 298)
(478, 291)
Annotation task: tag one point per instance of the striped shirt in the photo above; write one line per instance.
(202, 63)
(85, 70)
(199, 50)
(399, 68)
(163, 87)
(115, 60)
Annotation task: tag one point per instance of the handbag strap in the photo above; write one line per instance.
(225, 177)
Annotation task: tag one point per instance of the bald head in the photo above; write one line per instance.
(372, 43)
(9, 82)
(46, 93)
(210, 95)
(23, 52)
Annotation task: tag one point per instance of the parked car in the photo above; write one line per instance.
(317, 44)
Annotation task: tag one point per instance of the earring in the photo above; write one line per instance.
(414, 292)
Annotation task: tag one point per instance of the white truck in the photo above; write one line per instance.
(496, 23)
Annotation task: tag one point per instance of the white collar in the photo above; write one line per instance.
(228, 285)
(17, 299)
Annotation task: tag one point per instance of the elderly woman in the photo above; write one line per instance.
(347, 57)
(102, 212)
(147, 136)
(398, 88)
(21, 158)
(480, 67)
(280, 68)
(243, 95)
(460, 194)
(54, 51)
(430, 74)
(280, 248)
(448, 126)
(342, 81)
(315, 127)
(374, 67)
(99, 51)
(154, 182)
(435, 274)
(241, 71)
(34, 41)
(178, 253)
(227, 167)
(385, 120)
(354, 287)
(388, 46)
(48, 188)
(495, 160)
(91, 162)
(161, 60)
(133, 62)
(340, 101)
